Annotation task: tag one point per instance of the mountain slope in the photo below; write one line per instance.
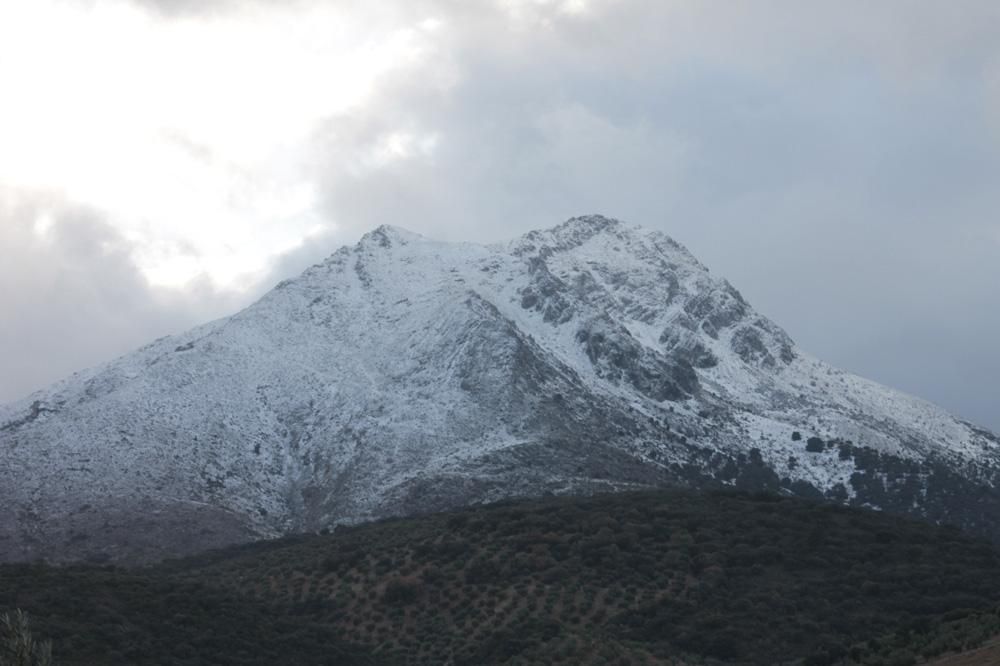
(406, 375)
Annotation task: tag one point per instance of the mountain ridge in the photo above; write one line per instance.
(404, 374)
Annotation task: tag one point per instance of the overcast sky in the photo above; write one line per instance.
(162, 162)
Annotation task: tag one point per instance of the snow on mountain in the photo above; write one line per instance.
(405, 374)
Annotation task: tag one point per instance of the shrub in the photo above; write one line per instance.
(17, 645)
(401, 591)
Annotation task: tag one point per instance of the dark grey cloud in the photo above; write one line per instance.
(72, 297)
(836, 161)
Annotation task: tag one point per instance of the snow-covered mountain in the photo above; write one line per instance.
(405, 375)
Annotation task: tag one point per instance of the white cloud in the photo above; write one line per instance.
(397, 146)
(190, 133)
(522, 8)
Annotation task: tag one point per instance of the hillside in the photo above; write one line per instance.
(406, 375)
(667, 577)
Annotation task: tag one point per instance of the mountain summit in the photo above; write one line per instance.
(405, 375)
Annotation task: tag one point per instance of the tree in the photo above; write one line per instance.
(17, 646)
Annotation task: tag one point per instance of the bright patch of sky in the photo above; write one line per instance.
(192, 135)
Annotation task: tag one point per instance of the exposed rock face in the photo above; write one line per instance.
(405, 375)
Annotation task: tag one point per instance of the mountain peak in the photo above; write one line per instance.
(594, 222)
(388, 235)
(583, 227)
(572, 233)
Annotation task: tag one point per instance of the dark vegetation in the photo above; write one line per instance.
(114, 616)
(956, 636)
(669, 577)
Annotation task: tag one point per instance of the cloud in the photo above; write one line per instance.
(186, 9)
(192, 135)
(73, 295)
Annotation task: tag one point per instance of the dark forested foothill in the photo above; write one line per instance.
(669, 577)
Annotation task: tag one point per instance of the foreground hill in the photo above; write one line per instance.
(665, 577)
(405, 375)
